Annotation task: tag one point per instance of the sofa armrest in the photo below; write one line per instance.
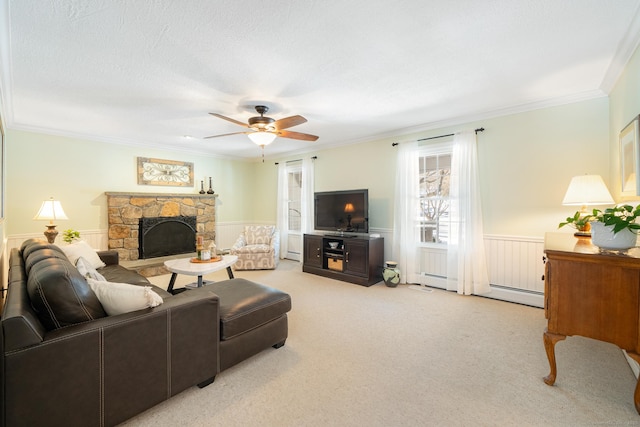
(109, 257)
(110, 369)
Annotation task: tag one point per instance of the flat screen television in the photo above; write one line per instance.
(346, 210)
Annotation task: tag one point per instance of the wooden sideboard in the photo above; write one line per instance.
(591, 293)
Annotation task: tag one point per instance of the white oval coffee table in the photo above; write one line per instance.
(185, 266)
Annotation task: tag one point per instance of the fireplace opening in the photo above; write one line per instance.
(163, 236)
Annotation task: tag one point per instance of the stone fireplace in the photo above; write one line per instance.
(126, 212)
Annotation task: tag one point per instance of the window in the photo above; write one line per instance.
(435, 171)
(294, 179)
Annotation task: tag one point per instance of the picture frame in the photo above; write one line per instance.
(630, 158)
(164, 172)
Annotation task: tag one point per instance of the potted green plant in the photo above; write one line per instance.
(580, 222)
(612, 228)
(70, 235)
(616, 227)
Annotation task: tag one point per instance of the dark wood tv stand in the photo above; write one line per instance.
(355, 259)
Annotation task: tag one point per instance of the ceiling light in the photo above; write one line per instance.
(262, 138)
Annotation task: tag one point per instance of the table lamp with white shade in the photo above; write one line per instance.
(587, 190)
(51, 210)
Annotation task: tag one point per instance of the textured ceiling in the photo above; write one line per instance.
(149, 72)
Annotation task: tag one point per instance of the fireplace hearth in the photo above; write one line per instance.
(162, 236)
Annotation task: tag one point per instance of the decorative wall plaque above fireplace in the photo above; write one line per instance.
(164, 172)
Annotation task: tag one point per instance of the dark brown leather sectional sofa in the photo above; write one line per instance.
(105, 369)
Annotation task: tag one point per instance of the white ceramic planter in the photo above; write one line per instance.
(603, 237)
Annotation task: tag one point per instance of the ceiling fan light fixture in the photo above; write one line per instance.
(262, 138)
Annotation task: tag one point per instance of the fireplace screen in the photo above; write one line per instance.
(163, 236)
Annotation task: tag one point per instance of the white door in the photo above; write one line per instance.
(294, 212)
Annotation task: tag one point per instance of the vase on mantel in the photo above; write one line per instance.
(603, 237)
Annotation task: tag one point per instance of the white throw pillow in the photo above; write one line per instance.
(86, 269)
(82, 249)
(118, 298)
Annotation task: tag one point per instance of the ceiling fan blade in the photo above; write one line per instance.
(296, 135)
(225, 134)
(229, 120)
(288, 122)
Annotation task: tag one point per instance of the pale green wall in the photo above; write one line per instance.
(264, 192)
(625, 106)
(526, 163)
(78, 172)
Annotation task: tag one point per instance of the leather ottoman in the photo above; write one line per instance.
(253, 317)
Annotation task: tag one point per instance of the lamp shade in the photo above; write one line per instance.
(262, 138)
(349, 208)
(50, 210)
(587, 190)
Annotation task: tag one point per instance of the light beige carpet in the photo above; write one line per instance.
(382, 356)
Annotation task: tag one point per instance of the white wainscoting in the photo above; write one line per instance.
(515, 262)
(98, 239)
(514, 265)
(227, 233)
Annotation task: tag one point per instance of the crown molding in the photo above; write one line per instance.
(625, 50)
(120, 141)
(500, 112)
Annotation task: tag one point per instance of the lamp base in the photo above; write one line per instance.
(51, 233)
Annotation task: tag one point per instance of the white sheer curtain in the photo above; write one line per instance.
(307, 195)
(405, 232)
(282, 216)
(466, 262)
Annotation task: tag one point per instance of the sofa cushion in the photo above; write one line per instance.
(32, 245)
(118, 298)
(120, 274)
(245, 305)
(258, 234)
(254, 249)
(43, 253)
(82, 249)
(60, 295)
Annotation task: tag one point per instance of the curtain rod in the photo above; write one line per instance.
(298, 160)
(439, 136)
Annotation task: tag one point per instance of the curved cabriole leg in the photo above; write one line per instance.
(636, 394)
(550, 341)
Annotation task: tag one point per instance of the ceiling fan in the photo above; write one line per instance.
(263, 130)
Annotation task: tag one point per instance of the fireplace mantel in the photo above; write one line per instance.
(172, 195)
(126, 208)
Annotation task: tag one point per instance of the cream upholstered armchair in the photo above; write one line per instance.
(257, 248)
